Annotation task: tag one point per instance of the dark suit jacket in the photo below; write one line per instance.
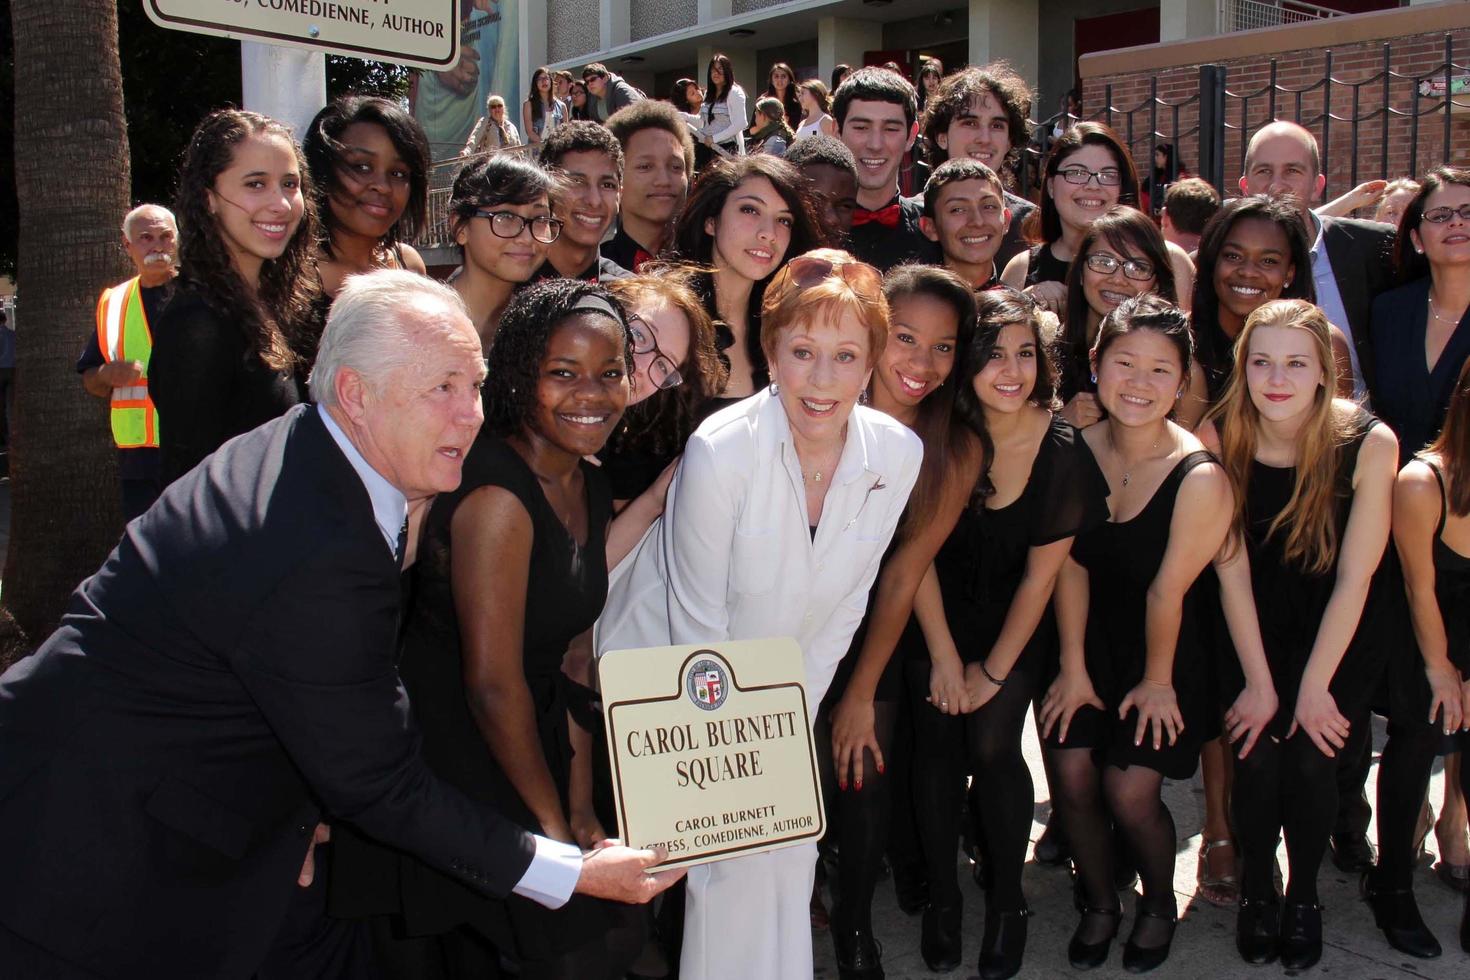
(1361, 253)
(224, 677)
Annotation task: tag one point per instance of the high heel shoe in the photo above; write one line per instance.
(1397, 914)
(859, 957)
(939, 938)
(1142, 959)
(1088, 956)
(1301, 935)
(1051, 848)
(1258, 930)
(1004, 944)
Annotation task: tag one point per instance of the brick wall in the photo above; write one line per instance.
(1411, 55)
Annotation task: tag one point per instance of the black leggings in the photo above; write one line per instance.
(1284, 786)
(938, 785)
(1002, 795)
(1403, 779)
(1090, 802)
(859, 818)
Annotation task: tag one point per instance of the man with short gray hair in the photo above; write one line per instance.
(228, 676)
(114, 364)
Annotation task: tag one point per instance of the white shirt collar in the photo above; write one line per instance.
(390, 507)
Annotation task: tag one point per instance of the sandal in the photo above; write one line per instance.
(1222, 890)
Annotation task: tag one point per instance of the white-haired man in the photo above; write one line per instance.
(115, 362)
(229, 673)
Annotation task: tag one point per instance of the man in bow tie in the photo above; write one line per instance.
(875, 110)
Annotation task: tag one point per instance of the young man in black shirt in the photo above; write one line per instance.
(589, 161)
(965, 214)
(658, 157)
(875, 111)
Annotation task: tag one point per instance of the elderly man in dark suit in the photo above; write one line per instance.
(1352, 262)
(228, 675)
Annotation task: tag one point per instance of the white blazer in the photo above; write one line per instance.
(732, 558)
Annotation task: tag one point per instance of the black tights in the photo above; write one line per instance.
(938, 785)
(1002, 795)
(1403, 779)
(1089, 801)
(860, 819)
(1285, 786)
(609, 959)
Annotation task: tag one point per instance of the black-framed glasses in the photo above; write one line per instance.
(1105, 264)
(661, 370)
(1106, 177)
(508, 224)
(1438, 216)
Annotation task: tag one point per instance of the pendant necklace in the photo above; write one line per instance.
(1128, 473)
(1442, 319)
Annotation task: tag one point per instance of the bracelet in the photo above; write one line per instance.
(989, 677)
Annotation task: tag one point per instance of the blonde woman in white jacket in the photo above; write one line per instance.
(775, 524)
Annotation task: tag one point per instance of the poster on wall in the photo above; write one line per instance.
(448, 103)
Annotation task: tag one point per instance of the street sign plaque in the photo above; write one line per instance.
(419, 33)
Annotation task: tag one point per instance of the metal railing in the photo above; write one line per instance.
(1373, 113)
(1248, 15)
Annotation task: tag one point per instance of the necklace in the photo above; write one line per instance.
(1442, 319)
(1128, 473)
(815, 476)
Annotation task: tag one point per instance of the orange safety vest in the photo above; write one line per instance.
(123, 335)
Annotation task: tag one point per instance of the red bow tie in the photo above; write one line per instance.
(885, 216)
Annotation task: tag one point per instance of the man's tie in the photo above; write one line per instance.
(885, 216)
(402, 547)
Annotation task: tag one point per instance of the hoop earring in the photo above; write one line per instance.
(775, 388)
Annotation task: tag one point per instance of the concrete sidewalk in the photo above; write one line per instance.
(1204, 945)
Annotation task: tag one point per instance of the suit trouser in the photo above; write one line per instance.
(750, 917)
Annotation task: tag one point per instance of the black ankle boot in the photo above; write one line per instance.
(1142, 959)
(939, 939)
(1088, 956)
(911, 888)
(1004, 944)
(1258, 929)
(1301, 935)
(858, 955)
(1397, 914)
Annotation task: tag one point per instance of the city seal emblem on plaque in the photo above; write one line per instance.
(707, 684)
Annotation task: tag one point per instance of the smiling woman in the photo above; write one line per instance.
(234, 343)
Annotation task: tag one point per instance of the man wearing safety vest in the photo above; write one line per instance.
(115, 363)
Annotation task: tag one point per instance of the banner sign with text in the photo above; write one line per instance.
(420, 33)
(712, 750)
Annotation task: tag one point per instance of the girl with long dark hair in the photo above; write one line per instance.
(235, 341)
(1314, 482)
(723, 112)
(370, 162)
(781, 85)
(745, 219)
(542, 111)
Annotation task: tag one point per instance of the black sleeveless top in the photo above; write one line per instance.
(1451, 584)
(1045, 267)
(1290, 602)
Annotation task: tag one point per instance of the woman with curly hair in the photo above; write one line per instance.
(233, 346)
(745, 219)
(511, 571)
(369, 160)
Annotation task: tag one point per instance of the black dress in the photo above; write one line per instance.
(981, 564)
(1122, 558)
(1045, 266)
(1407, 395)
(1290, 602)
(207, 384)
(567, 589)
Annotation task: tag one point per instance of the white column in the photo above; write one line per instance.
(288, 84)
(1010, 30)
(1180, 19)
(841, 41)
(615, 22)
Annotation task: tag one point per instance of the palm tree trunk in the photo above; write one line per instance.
(72, 184)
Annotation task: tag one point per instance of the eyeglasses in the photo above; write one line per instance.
(1105, 264)
(508, 224)
(1438, 216)
(1106, 177)
(661, 370)
(808, 270)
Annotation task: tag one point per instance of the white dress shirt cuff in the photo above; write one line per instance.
(553, 874)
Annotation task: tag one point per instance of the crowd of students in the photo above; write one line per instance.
(1197, 496)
